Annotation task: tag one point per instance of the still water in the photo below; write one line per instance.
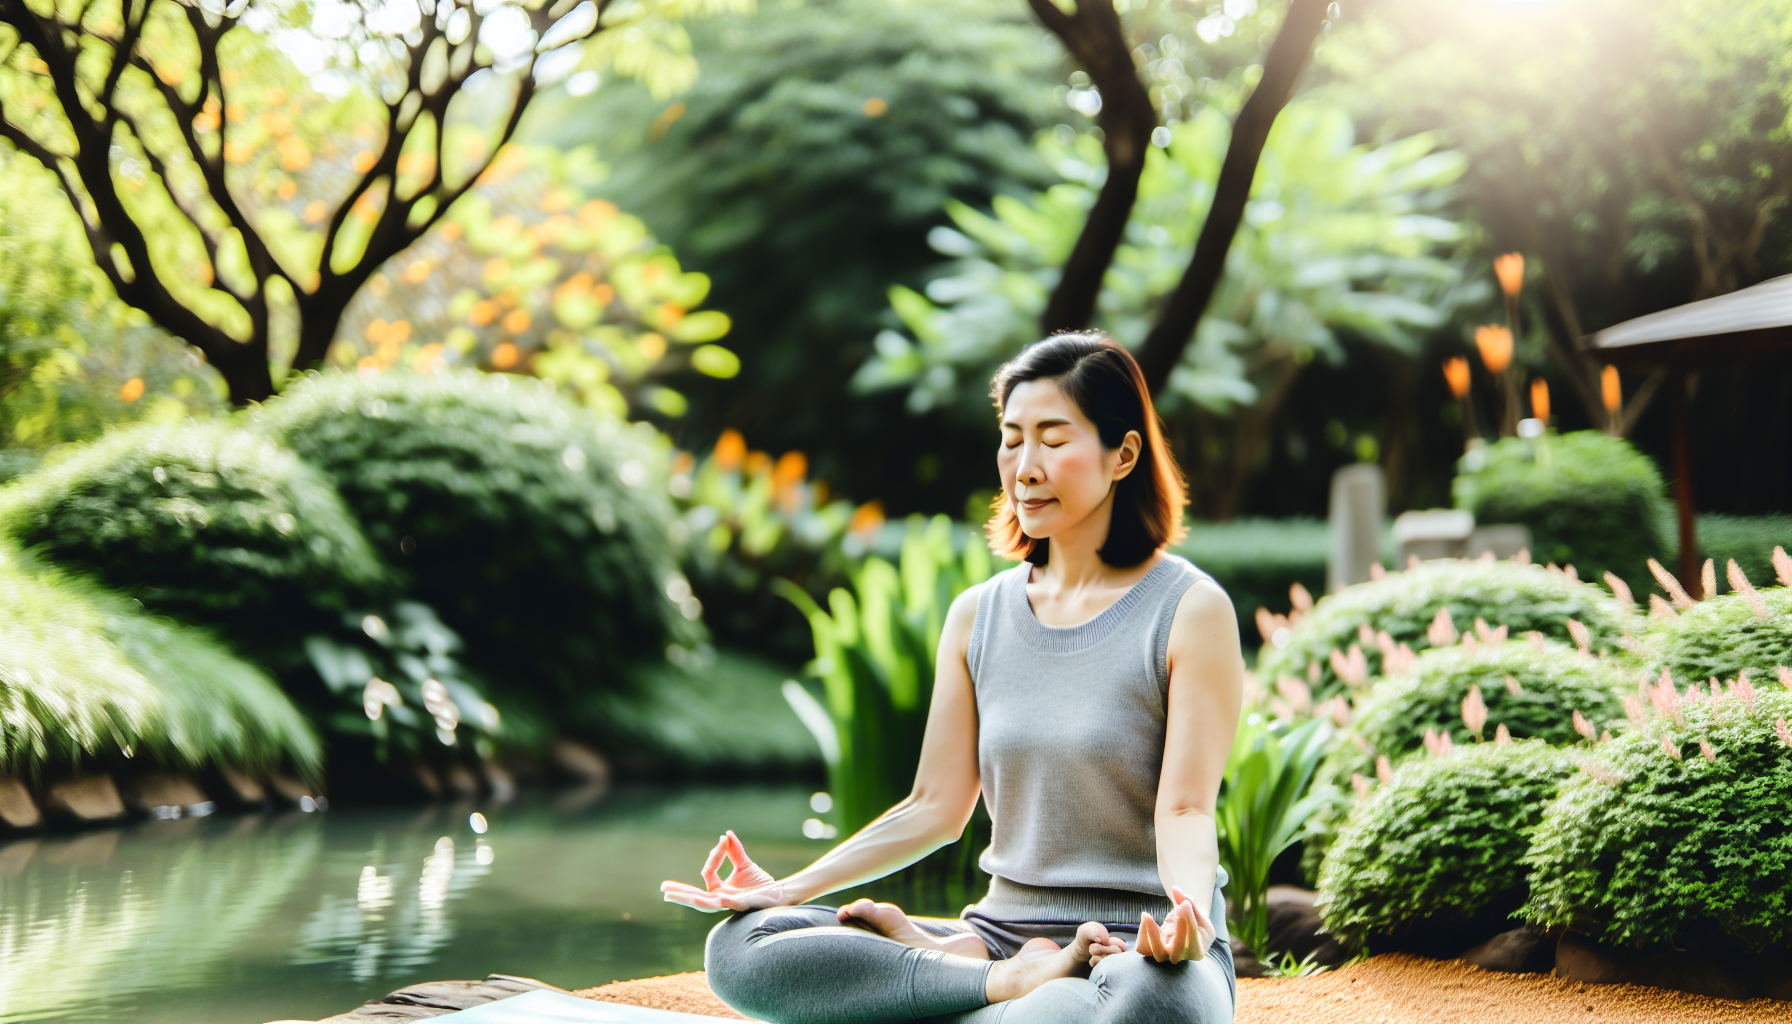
(251, 918)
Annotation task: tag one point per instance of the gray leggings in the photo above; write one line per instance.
(798, 965)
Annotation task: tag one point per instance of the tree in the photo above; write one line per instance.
(802, 174)
(164, 122)
(1342, 240)
(1282, 68)
(1093, 34)
(1640, 155)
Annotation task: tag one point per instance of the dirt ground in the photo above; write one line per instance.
(1384, 990)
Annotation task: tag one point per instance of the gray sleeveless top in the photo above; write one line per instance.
(1070, 741)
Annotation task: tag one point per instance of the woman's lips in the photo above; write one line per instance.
(1035, 504)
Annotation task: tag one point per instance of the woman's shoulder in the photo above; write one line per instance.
(1201, 594)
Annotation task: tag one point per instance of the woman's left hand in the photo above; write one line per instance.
(1185, 935)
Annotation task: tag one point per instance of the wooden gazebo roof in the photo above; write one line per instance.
(1753, 321)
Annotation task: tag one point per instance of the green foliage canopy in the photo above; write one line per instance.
(802, 173)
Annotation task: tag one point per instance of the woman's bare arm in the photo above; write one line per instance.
(1206, 689)
(934, 813)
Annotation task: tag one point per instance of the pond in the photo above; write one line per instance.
(239, 919)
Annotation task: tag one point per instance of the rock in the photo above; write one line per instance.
(499, 780)
(1700, 972)
(578, 760)
(159, 789)
(16, 806)
(90, 850)
(1295, 927)
(1244, 962)
(1524, 950)
(462, 780)
(435, 998)
(247, 790)
(92, 798)
(290, 788)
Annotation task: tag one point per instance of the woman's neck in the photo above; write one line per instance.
(1073, 560)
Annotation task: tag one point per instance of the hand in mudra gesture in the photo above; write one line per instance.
(1185, 934)
(747, 887)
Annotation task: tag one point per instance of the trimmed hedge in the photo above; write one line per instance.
(1590, 499)
(1722, 637)
(1520, 597)
(538, 530)
(1655, 841)
(205, 522)
(1553, 684)
(1444, 841)
(87, 678)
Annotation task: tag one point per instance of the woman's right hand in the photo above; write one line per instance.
(747, 887)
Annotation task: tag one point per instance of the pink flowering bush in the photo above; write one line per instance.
(1678, 827)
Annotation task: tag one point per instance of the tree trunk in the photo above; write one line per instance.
(1282, 68)
(1096, 39)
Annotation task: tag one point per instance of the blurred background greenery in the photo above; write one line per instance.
(394, 405)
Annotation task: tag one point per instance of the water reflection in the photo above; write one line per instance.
(245, 919)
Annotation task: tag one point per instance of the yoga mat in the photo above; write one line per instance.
(544, 1007)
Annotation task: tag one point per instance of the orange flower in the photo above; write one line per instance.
(1495, 343)
(483, 312)
(417, 272)
(363, 161)
(876, 106)
(315, 212)
(867, 519)
(517, 321)
(1510, 270)
(731, 449)
(789, 471)
(1540, 399)
(132, 389)
(757, 463)
(1610, 390)
(1456, 374)
(287, 189)
(505, 356)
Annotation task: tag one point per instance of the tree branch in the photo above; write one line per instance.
(1095, 37)
(1282, 68)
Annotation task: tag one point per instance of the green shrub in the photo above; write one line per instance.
(1677, 827)
(1519, 597)
(536, 529)
(205, 522)
(1552, 684)
(1590, 499)
(1444, 840)
(87, 678)
(1749, 540)
(1722, 636)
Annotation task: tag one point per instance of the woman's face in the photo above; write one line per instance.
(1054, 469)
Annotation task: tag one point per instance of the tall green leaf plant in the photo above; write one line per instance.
(1264, 804)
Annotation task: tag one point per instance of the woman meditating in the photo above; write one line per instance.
(1090, 696)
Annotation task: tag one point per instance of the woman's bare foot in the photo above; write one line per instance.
(1041, 960)
(888, 920)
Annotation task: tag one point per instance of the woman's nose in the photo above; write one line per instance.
(1028, 473)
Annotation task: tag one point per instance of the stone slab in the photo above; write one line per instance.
(545, 1007)
(93, 798)
(16, 806)
(438, 998)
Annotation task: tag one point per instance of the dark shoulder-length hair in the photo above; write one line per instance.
(1103, 379)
